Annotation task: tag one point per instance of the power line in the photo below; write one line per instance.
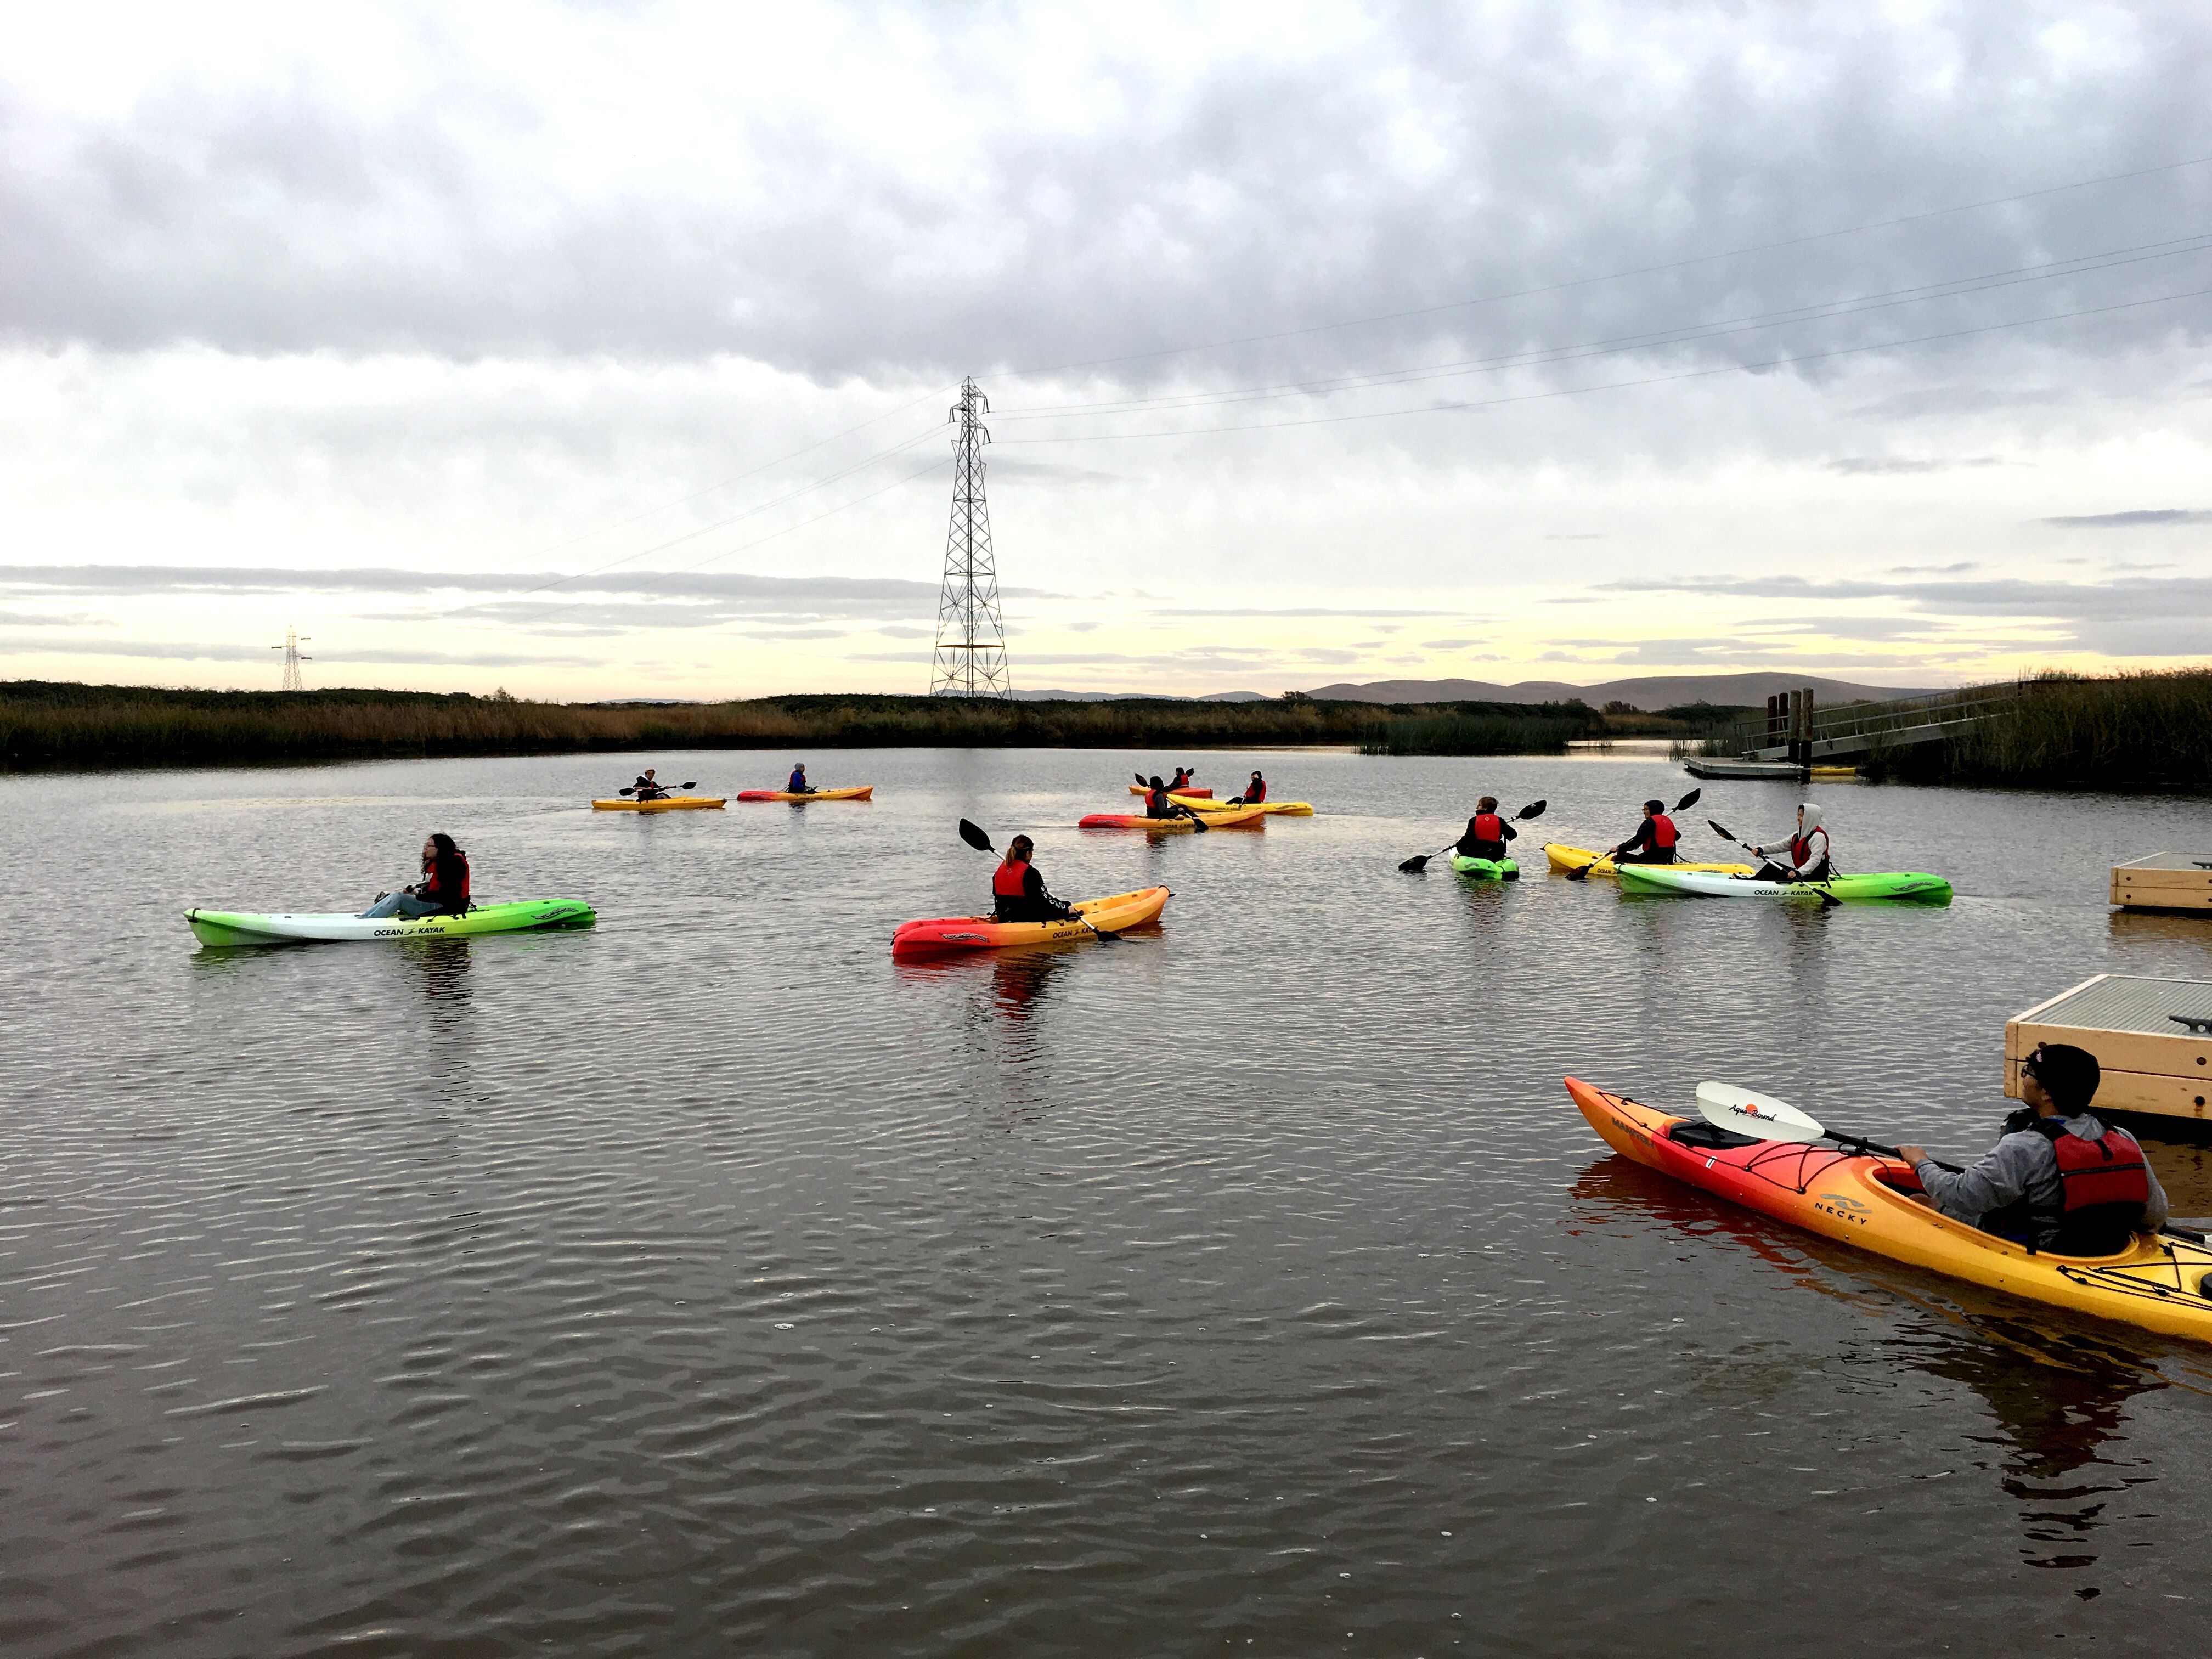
(1618, 386)
(2110, 259)
(1618, 276)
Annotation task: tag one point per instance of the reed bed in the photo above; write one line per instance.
(46, 724)
(2148, 729)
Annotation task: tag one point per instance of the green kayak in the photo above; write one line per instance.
(229, 927)
(1486, 869)
(1893, 886)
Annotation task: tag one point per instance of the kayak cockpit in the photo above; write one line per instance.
(1707, 1137)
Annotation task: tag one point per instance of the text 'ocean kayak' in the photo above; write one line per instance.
(949, 933)
(1893, 886)
(665, 804)
(2159, 1281)
(1287, 809)
(1486, 869)
(861, 793)
(1242, 818)
(1575, 858)
(230, 927)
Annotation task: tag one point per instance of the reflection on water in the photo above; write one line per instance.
(710, 1283)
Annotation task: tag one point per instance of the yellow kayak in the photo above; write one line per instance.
(666, 803)
(1288, 809)
(1575, 858)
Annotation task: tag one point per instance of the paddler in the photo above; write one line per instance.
(1487, 833)
(1654, 840)
(443, 891)
(2057, 1179)
(1158, 804)
(797, 783)
(1255, 791)
(1184, 778)
(647, 788)
(1018, 893)
(1806, 850)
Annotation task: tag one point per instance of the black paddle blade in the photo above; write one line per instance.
(1581, 871)
(1414, 866)
(632, 790)
(1535, 809)
(975, 838)
(1722, 830)
(1688, 800)
(1140, 776)
(692, 783)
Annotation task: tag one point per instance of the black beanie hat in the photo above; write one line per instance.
(2069, 1075)
(1655, 805)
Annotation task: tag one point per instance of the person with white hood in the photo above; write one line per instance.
(1807, 851)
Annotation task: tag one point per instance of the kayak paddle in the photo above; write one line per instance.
(632, 790)
(1582, 873)
(1420, 861)
(974, 835)
(1828, 900)
(1743, 1112)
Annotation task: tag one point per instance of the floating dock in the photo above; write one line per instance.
(1704, 767)
(2164, 881)
(2153, 1037)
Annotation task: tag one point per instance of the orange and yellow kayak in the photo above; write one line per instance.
(1238, 818)
(861, 793)
(1289, 809)
(2161, 1282)
(1115, 914)
(665, 804)
(1574, 858)
(1202, 794)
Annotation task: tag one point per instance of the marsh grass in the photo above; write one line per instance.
(2148, 729)
(47, 724)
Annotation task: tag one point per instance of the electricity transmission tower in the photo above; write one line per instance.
(971, 659)
(292, 660)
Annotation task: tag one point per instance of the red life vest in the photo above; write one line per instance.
(436, 886)
(2110, 1170)
(1664, 835)
(1008, 880)
(1488, 826)
(1157, 805)
(1800, 848)
(1256, 793)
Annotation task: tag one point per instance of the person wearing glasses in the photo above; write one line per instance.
(2057, 1179)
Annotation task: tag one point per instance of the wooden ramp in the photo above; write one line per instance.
(2154, 1062)
(2164, 881)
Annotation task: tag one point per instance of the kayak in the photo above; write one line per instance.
(665, 804)
(1200, 794)
(1237, 819)
(1575, 858)
(1289, 809)
(1905, 886)
(946, 933)
(861, 793)
(229, 927)
(1486, 869)
(2159, 1281)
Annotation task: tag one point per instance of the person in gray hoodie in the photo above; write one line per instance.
(2057, 1179)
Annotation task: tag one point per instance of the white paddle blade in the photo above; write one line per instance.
(1748, 1113)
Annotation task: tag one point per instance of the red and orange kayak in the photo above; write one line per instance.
(2161, 1282)
(1105, 916)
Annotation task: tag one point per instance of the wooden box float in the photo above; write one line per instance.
(2151, 1036)
(2164, 881)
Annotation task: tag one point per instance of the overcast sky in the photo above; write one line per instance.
(605, 350)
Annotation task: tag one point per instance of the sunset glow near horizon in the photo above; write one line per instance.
(600, 354)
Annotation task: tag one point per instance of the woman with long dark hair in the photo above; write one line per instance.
(443, 891)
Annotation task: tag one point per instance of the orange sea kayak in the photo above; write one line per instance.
(1103, 915)
(861, 793)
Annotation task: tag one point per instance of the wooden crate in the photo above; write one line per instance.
(2151, 1062)
(2164, 881)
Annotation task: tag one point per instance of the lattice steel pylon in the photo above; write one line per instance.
(292, 660)
(970, 659)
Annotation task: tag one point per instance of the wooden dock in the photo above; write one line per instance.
(2151, 1036)
(2164, 881)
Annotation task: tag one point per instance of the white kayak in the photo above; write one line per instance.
(232, 927)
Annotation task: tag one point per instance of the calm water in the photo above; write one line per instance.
(705, 1284)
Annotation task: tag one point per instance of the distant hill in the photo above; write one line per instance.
(1650, 693)
(1136, 696)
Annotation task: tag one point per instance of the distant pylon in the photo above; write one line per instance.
(971, 659)
(292, 660)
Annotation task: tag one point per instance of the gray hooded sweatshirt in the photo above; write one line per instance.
(2022, 1164)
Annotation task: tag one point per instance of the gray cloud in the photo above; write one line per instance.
(173, 651)
(1862, 466)
(2131, 520)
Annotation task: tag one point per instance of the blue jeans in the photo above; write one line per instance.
(403, 905)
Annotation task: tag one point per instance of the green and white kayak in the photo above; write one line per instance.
(230, 927)
(1486, 869)
(1893, 886)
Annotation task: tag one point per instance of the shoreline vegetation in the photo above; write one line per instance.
(47, 724)
(2149, 730)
